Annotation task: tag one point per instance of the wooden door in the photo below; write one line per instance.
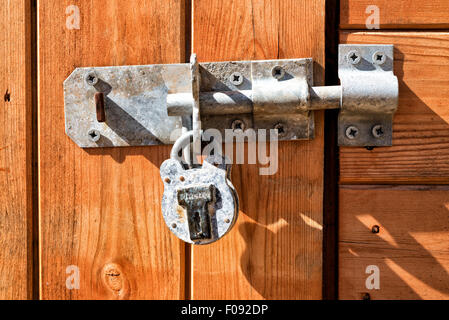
(403, 189)
(87, 224)
(100, 210)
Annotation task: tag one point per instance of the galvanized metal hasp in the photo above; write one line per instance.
(144, 105)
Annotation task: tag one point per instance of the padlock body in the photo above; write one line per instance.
(200, 206)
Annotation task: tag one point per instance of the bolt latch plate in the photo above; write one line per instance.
(150, 104)
(369, 95)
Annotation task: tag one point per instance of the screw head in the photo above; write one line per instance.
(174, 225)
(94, 135)
(282, 131)
(354, 57)
(379, 58)
(278, 72)
(378, 131)
(227, 221)
(236, 78)
(91, 78)
(366, 296)
(375, 229)
(352, 132)
(238, 125)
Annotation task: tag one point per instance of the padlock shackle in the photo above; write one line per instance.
(183, 142)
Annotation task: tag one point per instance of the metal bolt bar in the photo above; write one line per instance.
(241, 102)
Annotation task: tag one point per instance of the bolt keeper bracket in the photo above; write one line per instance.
(144, 105)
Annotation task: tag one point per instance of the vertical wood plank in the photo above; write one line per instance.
(275, 250)
(100, 209)
(16, 263)
(410, 250)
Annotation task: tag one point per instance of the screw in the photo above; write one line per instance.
(182, 179)
(167, 180)
(91, 78)
(94, 135)
(378, 131)
(236, 78)
(280, 129)
(238, 125)
(352, 132)
(375, 229)
(354, 57)
(366, 296)
(278, 72)
(174, 225)
(7, 97)
(379, 58)
(227, 221)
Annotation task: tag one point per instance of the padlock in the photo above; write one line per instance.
(200, 205)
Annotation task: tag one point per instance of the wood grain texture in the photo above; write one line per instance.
(420, 152)
(100, 209)
(411, 249)
(396, 14)
(275, 250)
(16, 263)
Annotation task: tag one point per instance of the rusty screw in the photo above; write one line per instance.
(280, 127)
(352, 132)
(378, 131)
(278, 72)
(238, 125)
(375, 229)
